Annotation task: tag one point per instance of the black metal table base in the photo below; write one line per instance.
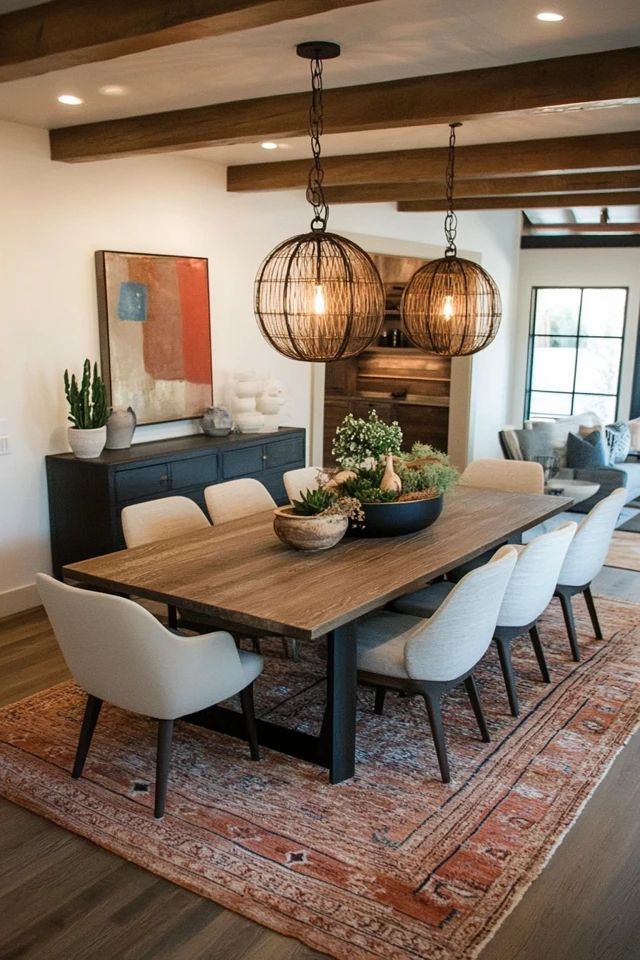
(335, 747)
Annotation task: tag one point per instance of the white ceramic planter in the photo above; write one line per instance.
(87, 444)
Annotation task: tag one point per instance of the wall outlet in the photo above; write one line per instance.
(4, 438)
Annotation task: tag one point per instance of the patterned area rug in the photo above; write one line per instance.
(393, 864)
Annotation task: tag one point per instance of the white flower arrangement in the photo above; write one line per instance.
(359, 443)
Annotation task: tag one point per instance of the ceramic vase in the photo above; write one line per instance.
(120, 428)
(216, 422)
(87, 444)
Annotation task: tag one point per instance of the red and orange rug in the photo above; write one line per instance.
(393, 864)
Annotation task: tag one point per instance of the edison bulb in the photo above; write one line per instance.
(319, 305)
(447, 308)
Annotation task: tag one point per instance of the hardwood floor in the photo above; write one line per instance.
(61, 898)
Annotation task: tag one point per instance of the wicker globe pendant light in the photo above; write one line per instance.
(451, 306)
(318, 296)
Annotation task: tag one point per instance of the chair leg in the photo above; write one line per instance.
(91, 714)
(567, 611)
(593, 613)
(474, 696)
(291, 648)
(255, 643)
(504, 652)
(163, 758)
(539, 652)
(379, 704)
(432, 703)
(172, 617)
(249, 714)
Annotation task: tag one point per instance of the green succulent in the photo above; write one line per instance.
(312, 502)
(87, 400)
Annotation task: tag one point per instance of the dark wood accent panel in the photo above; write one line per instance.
(306, 595)
(86, 496)
(631, 197)
(497, 187)
(578, 154)
(608, 76)
(68, 33)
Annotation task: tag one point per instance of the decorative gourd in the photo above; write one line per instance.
(390, 482)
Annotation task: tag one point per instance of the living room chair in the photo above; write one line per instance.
(585, 560)
(514, 476)
(117, 651)
(527, 596)
(236, 499)
(429, 657)
(299, 481)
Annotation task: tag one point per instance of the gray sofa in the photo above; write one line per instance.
(548, 438)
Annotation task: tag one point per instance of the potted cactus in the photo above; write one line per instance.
(87, 412)
(317, 521)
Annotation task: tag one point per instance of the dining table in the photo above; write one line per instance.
(239, 576)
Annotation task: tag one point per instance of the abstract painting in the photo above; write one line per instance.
(155, 335)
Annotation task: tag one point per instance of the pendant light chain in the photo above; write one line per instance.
(315, 192)
(451, 220)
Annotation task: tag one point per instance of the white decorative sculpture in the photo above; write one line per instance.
(270, 401)
(245, 389)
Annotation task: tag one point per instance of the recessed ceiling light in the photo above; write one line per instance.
(112, 90)
(70, 99)
(269, 145)
(548, 16)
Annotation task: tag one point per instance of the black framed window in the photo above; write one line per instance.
(575, 351)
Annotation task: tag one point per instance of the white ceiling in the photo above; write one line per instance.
(383, 40)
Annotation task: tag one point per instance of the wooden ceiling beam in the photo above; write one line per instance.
(497, 187)
(600, 152)
(67, 33)
(630, 227)
(609, 77)
(560, 200)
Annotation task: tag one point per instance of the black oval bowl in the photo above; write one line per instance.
(396, 519)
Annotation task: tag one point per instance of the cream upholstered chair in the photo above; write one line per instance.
(236, 499)
(514, 476)
(585, 559)
(527, 596)
(301, 480)
(429, 657)
(160, 519)
(118, 652)
(242, 498)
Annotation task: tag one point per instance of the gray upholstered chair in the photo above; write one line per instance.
(300, 480)
(585, 559)
(118, 652)
(428, 657)
(527, 596)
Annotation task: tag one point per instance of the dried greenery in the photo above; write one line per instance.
(327, 503)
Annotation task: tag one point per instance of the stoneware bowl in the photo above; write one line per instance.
(396, 519)
(311, 533)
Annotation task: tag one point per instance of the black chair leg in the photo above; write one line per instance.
(432, 702)
(539, 652)
(91, 714)
(567, 611)
(172, 617)
(379, 704)
(474, 696)
(249, 714)
(593, 613)
(163, 758)
(504, 652)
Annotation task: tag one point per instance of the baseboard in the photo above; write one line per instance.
(15, 601)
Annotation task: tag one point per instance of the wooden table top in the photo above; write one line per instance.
(241, 573)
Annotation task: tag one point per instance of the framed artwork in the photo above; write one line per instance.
(155, 334)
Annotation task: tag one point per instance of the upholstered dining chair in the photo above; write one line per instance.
(585, 559)
(527, 596)
(117, 651)
(514, 476)
(429, 657)
(154, 520)
(300, 480)
(235, 499)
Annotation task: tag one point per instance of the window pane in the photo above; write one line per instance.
(556, 310)
(549, 405)
(603, 311)
(598, 365)
(554, 360)
(605, 407)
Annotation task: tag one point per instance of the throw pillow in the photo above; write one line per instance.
(587, 452)
(634, 428)
(619, 441)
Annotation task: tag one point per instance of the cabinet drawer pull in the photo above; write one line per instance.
(264, 458)
(164, 478)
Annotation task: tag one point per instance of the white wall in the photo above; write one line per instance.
(593, 267)
(54, 216)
